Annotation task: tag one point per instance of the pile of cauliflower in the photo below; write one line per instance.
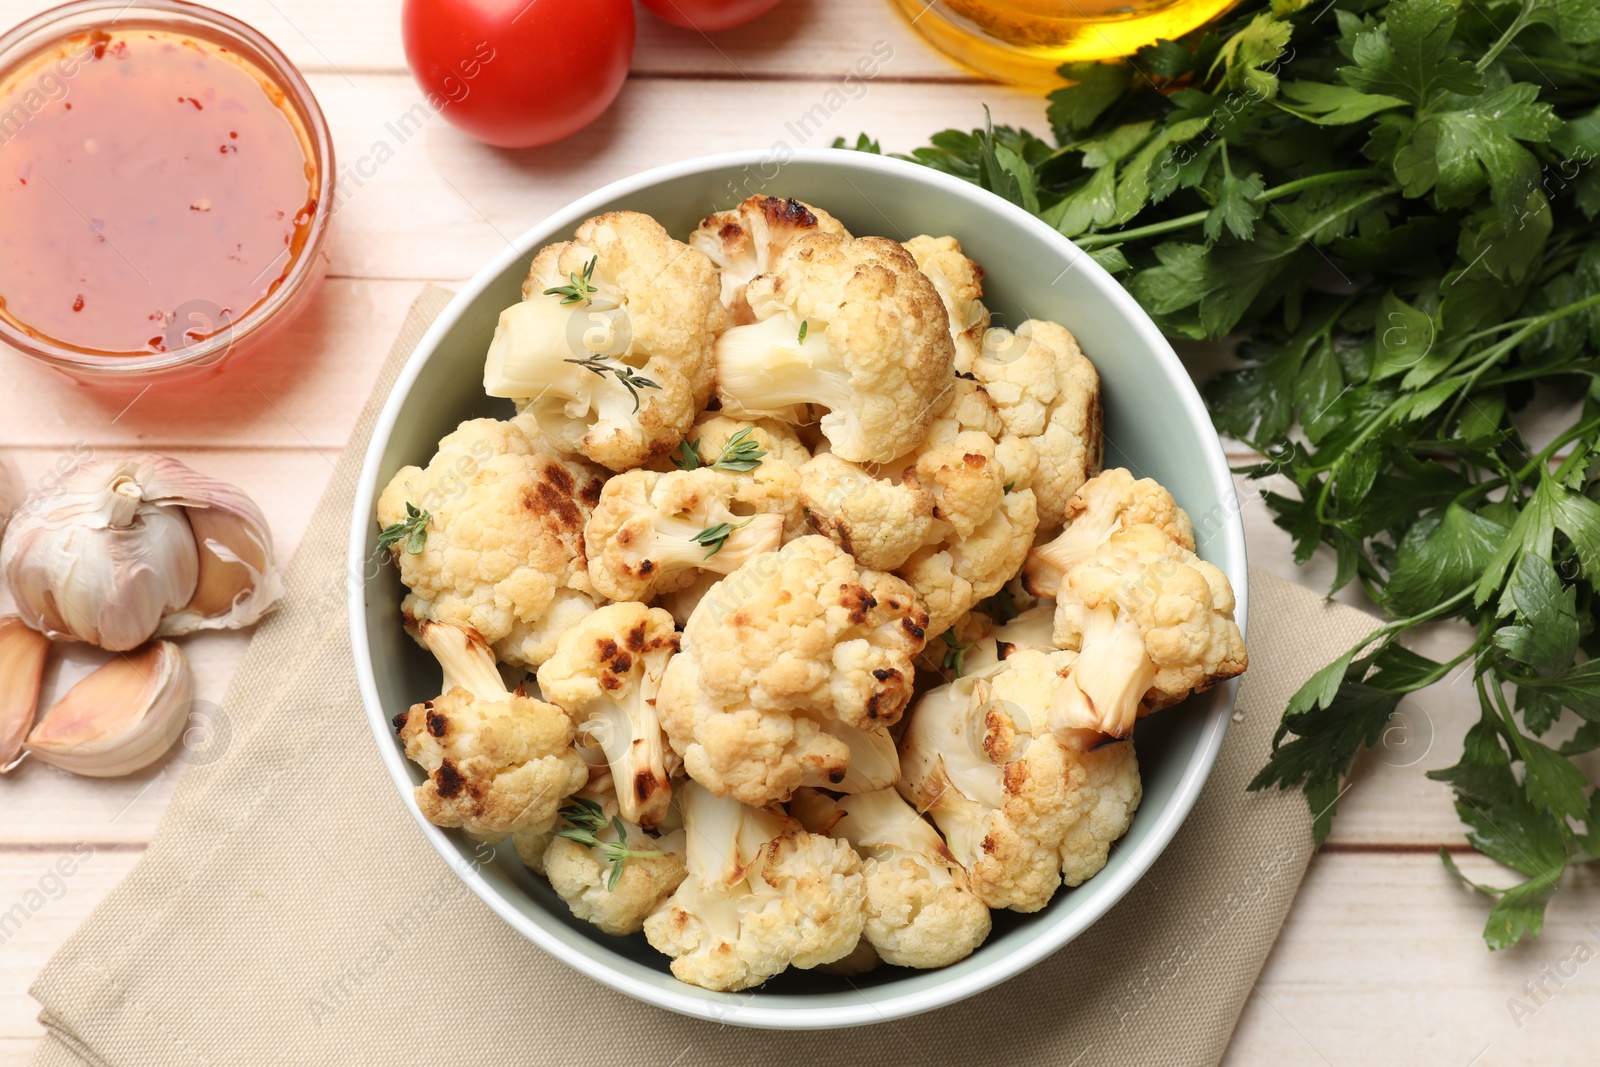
(791, 620)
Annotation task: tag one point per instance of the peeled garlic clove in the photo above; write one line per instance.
(100, 562)
(124, 716)
(238, 581)
(22, 655)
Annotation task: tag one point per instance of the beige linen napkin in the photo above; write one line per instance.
(288, 911)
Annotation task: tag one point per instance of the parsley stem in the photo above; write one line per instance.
(1443, 669)
(1493, 353)
(1089, 242)
(1566, 66)
(1572, 434)
(1504, 708)
(1518, 24)
(1473, 371)
(1590, 367)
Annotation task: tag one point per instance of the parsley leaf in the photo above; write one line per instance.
(1546, 635)
(1096, 86)
(1439, 555)
(1333, 105)
(1408, 55)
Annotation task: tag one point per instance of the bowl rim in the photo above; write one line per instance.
(1110, 887)
(305, 269)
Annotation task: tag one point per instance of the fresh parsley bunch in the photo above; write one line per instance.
(1397, 203)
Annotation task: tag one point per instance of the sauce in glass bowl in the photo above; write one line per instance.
(162, 185)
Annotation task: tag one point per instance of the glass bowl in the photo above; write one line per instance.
(225, 343)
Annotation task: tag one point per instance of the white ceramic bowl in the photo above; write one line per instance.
(1155, 424)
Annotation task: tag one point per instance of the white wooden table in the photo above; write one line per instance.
(1380, 960)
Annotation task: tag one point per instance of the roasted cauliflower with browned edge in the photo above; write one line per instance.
(761, 895)
(497, 762)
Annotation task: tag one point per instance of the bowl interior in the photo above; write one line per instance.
(1155, 425)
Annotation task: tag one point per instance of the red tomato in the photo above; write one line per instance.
(708, 15)
(518, 73)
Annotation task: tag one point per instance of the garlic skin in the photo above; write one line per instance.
(23, 651)
(123, 717)
(100, 563)
(10, 492)
(137, 548)
(238, 581)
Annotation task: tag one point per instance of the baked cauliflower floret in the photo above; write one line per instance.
(1151, 621)
(606, 672)
(1018, 809)
(610, 347)
(940, 492)
(920, 910)
(1110, 501)
(764, 455)
(652, 533)
(960, 285)
(498, 762)
(966, 479)
(792, 668)
(608, 871)
(761, 895)
(852, 326)
(879, 521)
(745, 241)
(952, 576)
(1048, 394)
(503, 552)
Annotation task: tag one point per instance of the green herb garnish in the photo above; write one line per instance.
(1399, 203)
(580, 288)
(740, 454)
(413, 530)
(585, 819)
(625, 374)
(804, 325)
(717, 536)
(688, 457)
(955, 653)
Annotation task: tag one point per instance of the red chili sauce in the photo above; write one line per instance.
(145, 175)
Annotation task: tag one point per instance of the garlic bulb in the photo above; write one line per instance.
(22, 656)
(123, 717)
(138, 547)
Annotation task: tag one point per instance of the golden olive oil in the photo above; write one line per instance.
(1024, 41)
